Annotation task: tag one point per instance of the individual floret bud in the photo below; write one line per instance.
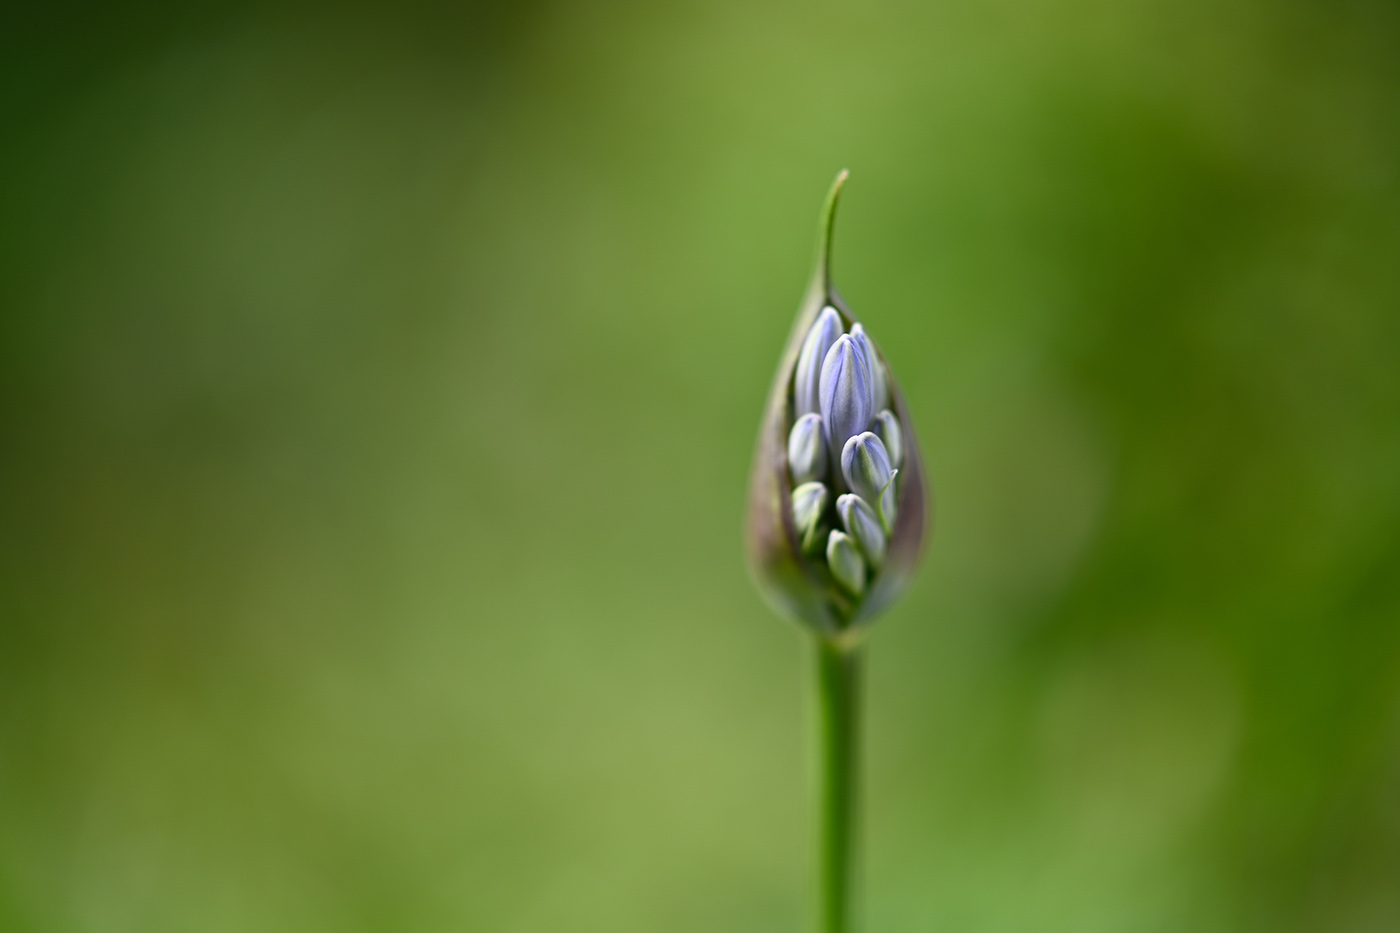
(886, 428)
(863, 526)
(865, 465)
(845, 392)
(808, 503)
(845, 561)
(879, 388)
(806, 449)
(806, 381)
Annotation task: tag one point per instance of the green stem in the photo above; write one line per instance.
(838, 712)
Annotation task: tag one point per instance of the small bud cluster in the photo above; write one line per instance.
(844, 439)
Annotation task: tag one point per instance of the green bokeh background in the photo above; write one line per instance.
(377, 388)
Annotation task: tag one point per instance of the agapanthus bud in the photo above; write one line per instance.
(806, 449)
(863, 526)
(847, 566)
(886, 428)
(845, 394)
(808, 504)
(789, 541)
(879, 389)
(823, 333)
(865, 465)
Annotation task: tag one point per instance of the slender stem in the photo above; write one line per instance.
(838, 713)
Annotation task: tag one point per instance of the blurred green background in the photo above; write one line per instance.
(377, 389)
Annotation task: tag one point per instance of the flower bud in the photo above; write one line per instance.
(863, 526)
(845, 561)
(866, 467)
(886, 428)
(879, 388)
(845, 392)
(806, 449)
(808, 503)
(823, 333)
(832, 589)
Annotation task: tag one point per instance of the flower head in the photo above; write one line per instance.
(836, 422)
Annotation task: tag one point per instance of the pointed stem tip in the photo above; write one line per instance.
(828, 225)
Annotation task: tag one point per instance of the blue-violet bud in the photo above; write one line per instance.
(886, 428)
(806, 449)
(879, 388)
(837, 583)
(863, 526)
(866, 467)
(806, 380)
(845, 392)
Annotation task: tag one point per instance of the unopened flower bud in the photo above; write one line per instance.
(865, 464)
(806, 381)
(833, 583)
(879, 388)
(863, 526)
(845, 561)
(845, 392)
(886, 428)
(808, 503)
(806, 449)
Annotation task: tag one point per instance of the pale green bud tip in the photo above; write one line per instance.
(808, 503)
(845, 561)
(806, 449)
(863, 526)
(886, 428)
